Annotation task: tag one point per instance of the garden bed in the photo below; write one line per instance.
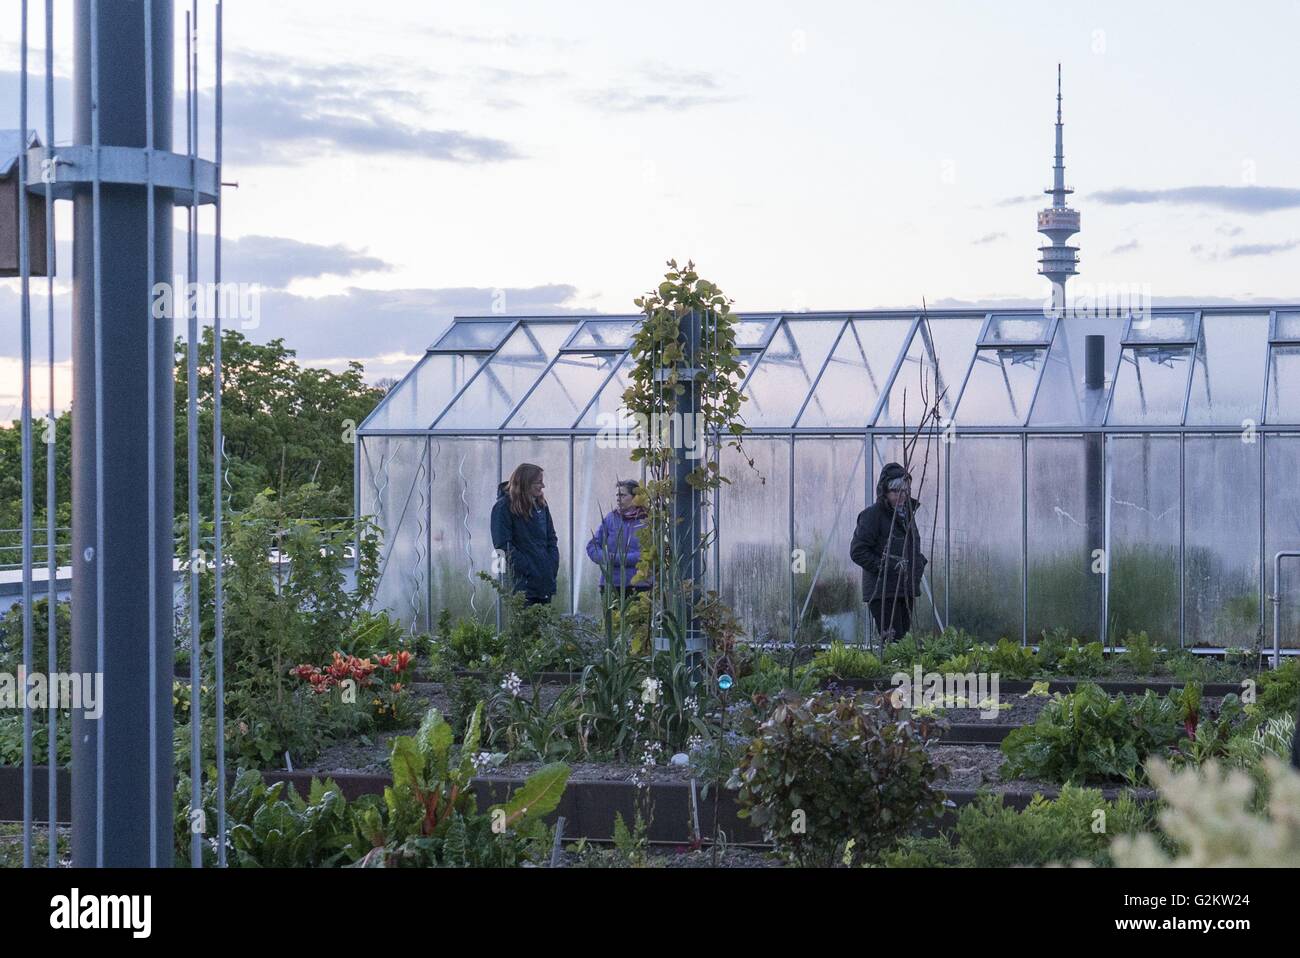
(1065, 685)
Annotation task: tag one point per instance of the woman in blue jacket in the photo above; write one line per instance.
(615, 547)
(523, 532)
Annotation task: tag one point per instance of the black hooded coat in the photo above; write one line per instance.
(883, 536)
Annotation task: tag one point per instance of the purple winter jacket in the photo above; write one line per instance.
(616, 544)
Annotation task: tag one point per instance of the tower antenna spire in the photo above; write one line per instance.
(1058, 261)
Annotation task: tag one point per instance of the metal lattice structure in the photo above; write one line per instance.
(1147, 494)
(124, 179)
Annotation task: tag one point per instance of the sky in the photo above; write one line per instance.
(418, 160)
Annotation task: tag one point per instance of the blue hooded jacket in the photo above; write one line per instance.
(617, 545)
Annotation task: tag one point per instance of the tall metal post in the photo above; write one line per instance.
(1094, 491)
(112, 582)
(687, 512)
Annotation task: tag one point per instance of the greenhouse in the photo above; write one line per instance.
(1102, 475)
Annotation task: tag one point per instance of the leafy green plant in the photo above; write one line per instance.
(930, 852)
(11, 635)
(1011, 660)
(429, 815)
(1082, 661)
(1088, 736)
(1079, 824)
(829, 778)
(842, 661)
(1214, 821)
(1278, 690)
(1140, 655)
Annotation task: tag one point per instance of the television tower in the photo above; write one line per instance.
(1058, 222)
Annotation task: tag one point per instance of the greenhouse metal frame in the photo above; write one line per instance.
(1190, 491)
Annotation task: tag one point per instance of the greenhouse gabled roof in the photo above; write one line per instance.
(1005, 370)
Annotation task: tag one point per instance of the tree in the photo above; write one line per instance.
(284, 424)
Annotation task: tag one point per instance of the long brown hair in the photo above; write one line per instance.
(525, 475)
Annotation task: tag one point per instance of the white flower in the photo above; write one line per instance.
(650, 690)
(695, 743)
(691, 704)
(512, 684)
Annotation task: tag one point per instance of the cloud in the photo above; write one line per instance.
(1261, 249)
(1228, 229)
(1236, 199)
(1018, 200)
(988, 238)
(270, 122)
(1128, 247)
(276, 261)
(660, 89)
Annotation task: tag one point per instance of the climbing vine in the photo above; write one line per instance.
(662, 371)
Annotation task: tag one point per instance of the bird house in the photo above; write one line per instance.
(11, 194)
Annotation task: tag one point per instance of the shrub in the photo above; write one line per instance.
(1088, 736)
(836, 778)
(1209, 817)
(1079, 824)
(932, 852)
(11, 635)
(1279, 690)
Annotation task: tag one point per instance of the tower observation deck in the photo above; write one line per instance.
(1059, 260)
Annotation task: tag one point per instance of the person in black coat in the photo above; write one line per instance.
(524, 533)
(887, 544)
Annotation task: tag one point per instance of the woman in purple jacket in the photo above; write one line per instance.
(615, 546)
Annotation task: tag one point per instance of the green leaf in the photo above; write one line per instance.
(407, 762)
(539, 795)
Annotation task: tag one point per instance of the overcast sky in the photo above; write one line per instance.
(402, 162)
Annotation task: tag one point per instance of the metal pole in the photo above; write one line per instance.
(51, 484)
(1276, 599)
(25, 335)
(196, 562)
(218, 443)
(112, 607)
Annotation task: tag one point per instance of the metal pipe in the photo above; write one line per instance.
(51, 483)
(1276, 599)
(111, 606)
(218, 444)
(196, 562)
(25, 335)
(151, 430)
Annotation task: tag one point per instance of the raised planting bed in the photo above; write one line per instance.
(596, 793)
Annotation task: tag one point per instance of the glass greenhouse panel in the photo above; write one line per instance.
(1001, 387)
(1283, 389)
(605, 334)
(553, 456)
(1288, 327)
(416, 401)
(607, 410)
(787, 370)
(752, 333)
(1151, 387)
(828, 495)
(395, 492)
(471, 335)
(1282, 533)
(1221, 550)
(986, 595)
(1064, 398)
(1066, 523)
(1018, 329)
(928, 467)
(564, 391)
(1229, 368)
(935, 365)
(597, 469)
(857, 373)
(503, 382)
(1143, 508)
(1172, 328)
(464, 490)
(754, 537)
